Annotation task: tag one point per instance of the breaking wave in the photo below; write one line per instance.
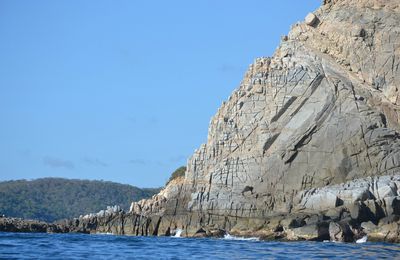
(178, 233)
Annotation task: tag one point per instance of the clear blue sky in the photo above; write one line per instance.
(123, 90)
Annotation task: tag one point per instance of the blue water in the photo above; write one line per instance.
(78, 246)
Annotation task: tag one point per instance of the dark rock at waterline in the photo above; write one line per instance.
(200, 233)
(340, 231)
(22, 225)
(217, 233)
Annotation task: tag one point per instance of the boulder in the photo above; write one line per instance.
(310, 19)
(218, 233)
(200, 233)
(341, 232)
(313, 232)
(368, 226)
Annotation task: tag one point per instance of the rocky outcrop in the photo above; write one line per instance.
(321, 112)
(21, 225)
(307, 147)
(344, 212)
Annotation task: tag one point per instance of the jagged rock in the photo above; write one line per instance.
(312, 130)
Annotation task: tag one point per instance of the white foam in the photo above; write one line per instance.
(178, 233)
(105, 233)
(229, 237)
(362, 240)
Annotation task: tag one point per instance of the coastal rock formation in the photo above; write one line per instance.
(22, 225)
(310, 129)
(307, 147)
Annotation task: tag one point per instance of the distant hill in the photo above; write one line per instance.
(51, 199)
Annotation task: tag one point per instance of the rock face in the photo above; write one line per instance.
(306, 148)
(322, 111)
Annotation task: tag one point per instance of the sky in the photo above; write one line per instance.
(120, 90)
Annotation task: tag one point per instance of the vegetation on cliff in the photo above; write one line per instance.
(180, 172)
(51, 199)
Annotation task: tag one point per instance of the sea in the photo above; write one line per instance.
(104, 246)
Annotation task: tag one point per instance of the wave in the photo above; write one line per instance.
(178, 233)
(358, 241)
(105, 233)
(362, 240)
(230, 237)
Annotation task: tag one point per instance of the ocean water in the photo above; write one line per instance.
(80, 246)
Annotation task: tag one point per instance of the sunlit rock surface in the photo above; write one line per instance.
(307, 147)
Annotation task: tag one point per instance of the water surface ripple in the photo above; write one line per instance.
(80, 246)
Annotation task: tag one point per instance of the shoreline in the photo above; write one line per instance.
(18, 225)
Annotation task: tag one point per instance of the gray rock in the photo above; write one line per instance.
(314, 232)
(24, 225)
(314, 130)
(298, 132)
(335, 232)
(341, 232)
(310, 19)
(388, 220)
(368, 226)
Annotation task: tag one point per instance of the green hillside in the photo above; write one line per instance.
(52, 199)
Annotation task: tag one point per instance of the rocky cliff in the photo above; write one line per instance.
(307, 147)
